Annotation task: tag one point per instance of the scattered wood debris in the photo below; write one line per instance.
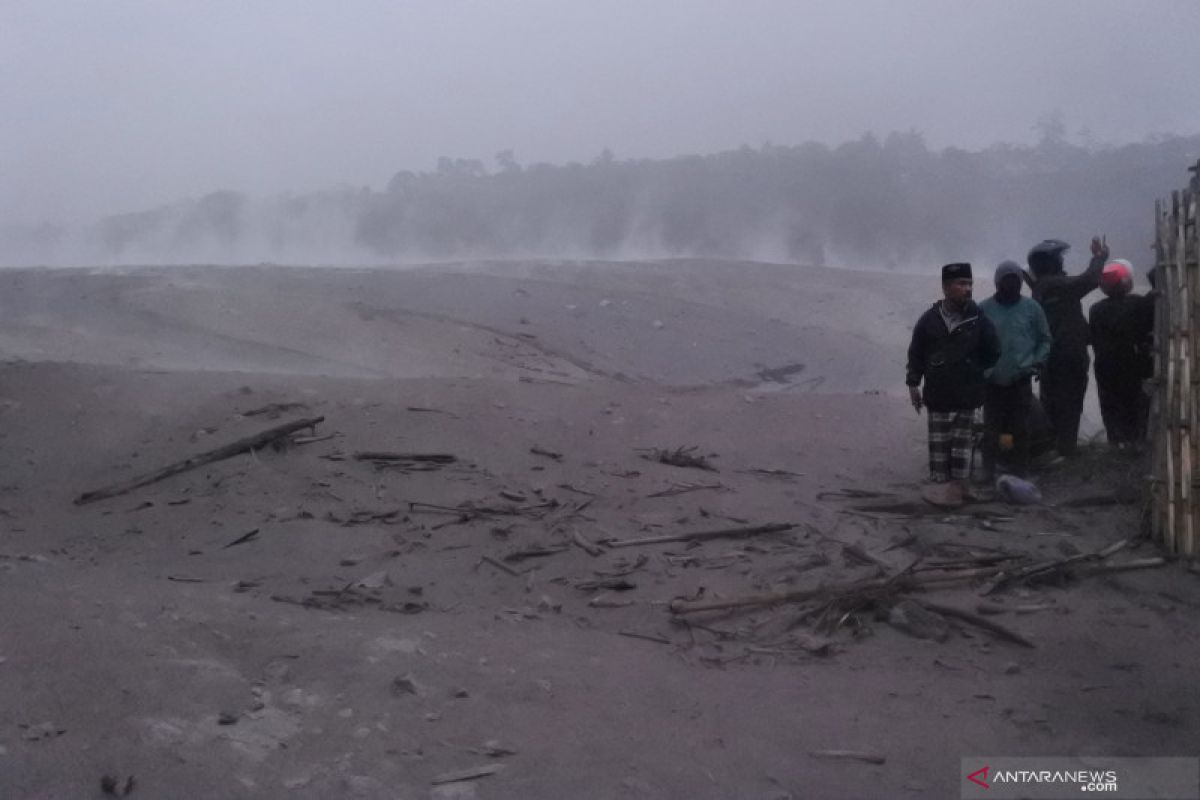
(777, 527)
(274, 410)
(684, 488)
(406, 462)
(246, 445)
(467, 774)
(853, 755)
(538, 451)
(679, 457)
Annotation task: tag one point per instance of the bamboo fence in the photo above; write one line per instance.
(1174, 424)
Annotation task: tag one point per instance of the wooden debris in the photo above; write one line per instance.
(1027, 608)
(388, 516)
(993, 628)
(854, 494)
(586, 544)
(534, 552)
(245, 537)
(273, 410)
(684, 488)
(853, 755)
(407, 462)
(774, 473)
(568, 487)
(612, 584)
(1126, 566)
(756, 530)
(649, 637)
(680, 457)
(298, 440)
(246, 445)
(423, 409)
(858, 591)
(1045, 569)
(500, 565)
(467, 774)
(538, 451)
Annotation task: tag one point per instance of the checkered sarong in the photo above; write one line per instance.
(951, 444)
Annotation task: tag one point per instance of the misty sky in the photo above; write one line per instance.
(126, 104)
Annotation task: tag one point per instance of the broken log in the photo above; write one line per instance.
(776, 527)
(434, 458)
(586, 544)
(993, 628)
(866, 589)
(246, 445)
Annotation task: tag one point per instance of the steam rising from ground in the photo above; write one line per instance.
(890, 204)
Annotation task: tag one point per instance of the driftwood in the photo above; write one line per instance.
(979, 622)
(679, 457)
(873, 588)
(436, 458)
(245, 537)
(1044, 569)
(684, 488)
(585, 544)
(273, 410)
(777, 527)
(248, 444)
(853, 755)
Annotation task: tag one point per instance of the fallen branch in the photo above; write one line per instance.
(684, 488)
(776, 527)
(273, 410)
(864, 590)
(248, 444)
(855, 755)
(436, 458)
(679, 457)
(245, 537)
(996, 629)
(586, 544)
(1044, 569)
(500, 565)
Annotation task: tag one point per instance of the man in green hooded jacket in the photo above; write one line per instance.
(1025, 342)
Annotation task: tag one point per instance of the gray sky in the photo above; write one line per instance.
(126, 104)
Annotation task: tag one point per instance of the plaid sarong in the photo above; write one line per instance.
(951, 444)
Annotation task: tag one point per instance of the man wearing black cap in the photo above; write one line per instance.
(953, 344)
(1065, 380)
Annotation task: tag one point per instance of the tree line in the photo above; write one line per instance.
(890, 202)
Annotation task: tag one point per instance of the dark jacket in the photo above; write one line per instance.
(1122, 331)
(952, 364)
(1060, 296)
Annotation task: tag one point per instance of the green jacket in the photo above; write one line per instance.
(1024, 339)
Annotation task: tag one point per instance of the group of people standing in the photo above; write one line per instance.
(964, 356)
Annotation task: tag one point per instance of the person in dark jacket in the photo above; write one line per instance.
(1122, 326)
(953, 345)
(1024, 347)
(1065, 380)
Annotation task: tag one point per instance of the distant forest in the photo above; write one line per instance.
(890, 203)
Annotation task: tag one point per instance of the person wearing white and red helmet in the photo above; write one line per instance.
(1120, 332)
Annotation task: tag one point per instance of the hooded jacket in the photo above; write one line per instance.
(1023, 330)
(952, 362)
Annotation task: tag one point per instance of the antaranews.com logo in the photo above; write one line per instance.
(1084, 780)
(1052, 778)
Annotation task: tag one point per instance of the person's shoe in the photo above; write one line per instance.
(944, 495)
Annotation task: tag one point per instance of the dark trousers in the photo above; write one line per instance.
(1122, 404)
(1006, 410)
(1064, 385)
